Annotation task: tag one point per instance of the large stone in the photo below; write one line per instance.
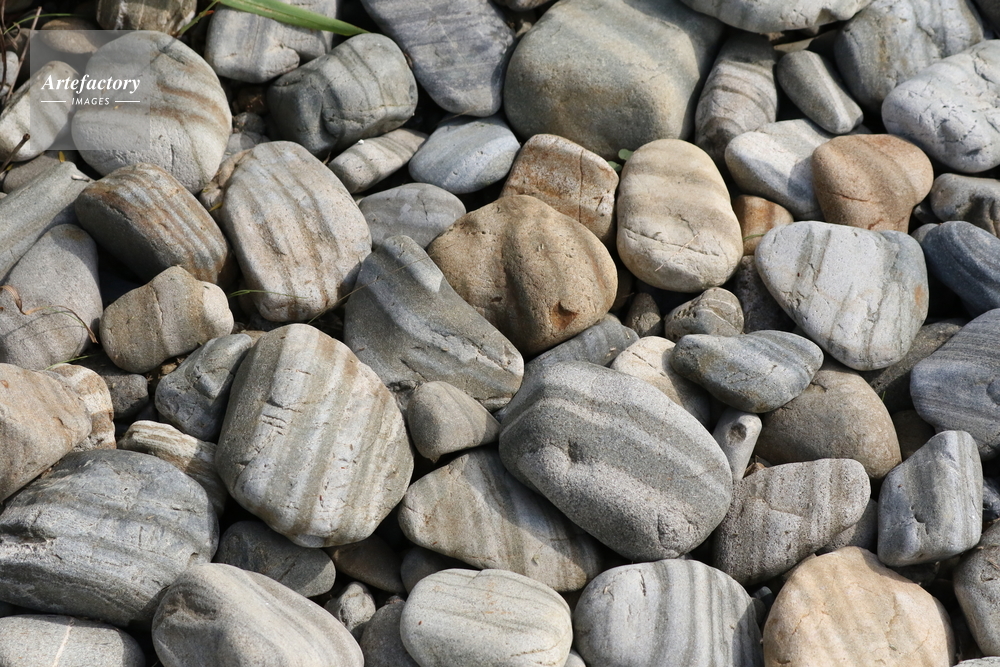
(975, 200)
(813, 85)
(978, 590)
(465, 154)
(31, 640)
(444, 419)
(418, 210)
(649, 360)
(778, 15)
(967, 260)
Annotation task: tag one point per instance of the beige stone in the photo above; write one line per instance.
(757, 217)
(649, 360)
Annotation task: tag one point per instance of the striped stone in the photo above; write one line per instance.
(649, 360)
(443, 419)
(297, 233)
(313, 443)
(149, 221)
(671, 613)
(167, 16)
(34, 640)
(474, 510)
(967, 260)
(418, 210)
(371, 161)
(93, 391)
(24, 114)
(977, 589)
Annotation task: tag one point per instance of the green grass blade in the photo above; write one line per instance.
(292, 15)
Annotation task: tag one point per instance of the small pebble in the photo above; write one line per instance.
(715, 312)
(354, 608)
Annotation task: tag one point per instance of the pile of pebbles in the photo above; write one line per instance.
(596, 332)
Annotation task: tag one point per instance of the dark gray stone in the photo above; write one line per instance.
(978, 588)
(381, 644)
(371, 561)
(967, 260)
(760, 310)
(975, 200)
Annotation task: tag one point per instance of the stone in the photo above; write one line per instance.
(618, 457)
(756, 372)
(465, 154)
(463, 76)
(49, 121)
(760, 310)
(676, 226)
(500, 259)
(371, 561)
(837, 416)
(155, 522)
(862, 534)
(737, 433)
(302, 401)
(871, 181)
(782, 514)
(600, 344)
(946, 109)
(187, 145)
(775, 162)
(977, 591)
(739, 94)
(778, 15)
(860, 295)
(34, 640)
(443, 419)
(354, 608)
(911, 431)
(129, 391)
(328, 103)
(183, 311)
(715, 311)
(814, 86)
(419, 563)
(167, 16)
(931, 505)
(964, 258)
(846, 608)
(651, 614)
(649, 360)
(411, 327)
(371, 161)
(975, 200)
(149, 221)
(570, 179)
(474, 510)
(93, 392)
(21, 174)
(643, 316)
(890, 41)
(654, 56)
(493, 617)
(757, 217)
(381, 643)
(217, 613)
(418, 210)
(297, 233)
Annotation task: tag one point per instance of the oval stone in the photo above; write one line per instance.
(967, 260)
(465, 154)
(418, 210)
(33, 640)
(778, 15)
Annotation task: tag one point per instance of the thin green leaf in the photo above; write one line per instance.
(193, 22)
(29, 18)
(292, 15)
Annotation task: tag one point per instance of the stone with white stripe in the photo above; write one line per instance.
(465, 154)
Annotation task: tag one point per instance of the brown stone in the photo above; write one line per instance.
(757, 217)
(871, 181)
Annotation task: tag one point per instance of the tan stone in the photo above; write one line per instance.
(757, 217)
(537, 275)
(845, 609)
(649, 360)
(871, 181)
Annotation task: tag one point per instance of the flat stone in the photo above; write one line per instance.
(643, 316)
(216, 613)
(155, 522)
(860, 295)
(863, 534)
(676, 226)
(715, 311)
(653, 58)
(965, 258)
(760, 310)
(458, 617)
(371, 161)
(443, 419)
(465, 154)
(608, 450)
(649, 360)
(371, 561)
(411, 327)
(600, 344)
(757, 217)
(976, 590)
(846, 608)
(737, 433)
(167, 16)
(16, 119)
(500, 260)
(814, 86)
(778, 15)
(91, 389)
(418, 210)
(931, 505)
(33, 640)
(650, 614)
(354, 607)
(302, 401)
(381, 643)
(975, 200)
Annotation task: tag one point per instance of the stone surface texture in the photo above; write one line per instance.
(34, 640)
(649, 360)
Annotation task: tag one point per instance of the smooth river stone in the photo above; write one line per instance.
(967, 260)
(958, 386)
(494, 617)
(42, 126)
(372, 561)
(409, 326)
(381, 643)
(302, 401)
(418, 210)
(167, 16)
(600, 344)
(463, 76)
(715, 311)
(778, 15)
(676, 226)
(757, 372)
(651, 615)
(93, 391)
(931, 505)
(975, 200)
(297, 233)
(654, 57)
(188, 122)
(782, 514)
(760, 310)
(649, 360)
(757, 217)
(465, 154)
(618, 457)
(354, 607)
(102, 535)
(33, 640)
(219, 614)
(371, 161)
(737, 433)
(860, 295)
(501, 260)
(813, 85)
(644, 316)
(474, 510)
(149, 221)
(978, 590)
(443, 419)
(949, 109)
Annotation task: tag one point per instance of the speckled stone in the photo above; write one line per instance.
(371, 161)
(32, 640)
(649, 360)
(443, 419)
(465, 154)
(863, 534)
(975, 200)
(778, 15)
(418, 210)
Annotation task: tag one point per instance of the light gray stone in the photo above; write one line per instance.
(975, 200)
(32, 640)
(443, 419)
(978, 589)
(466, 154)
(418, 210)
(371, 561)
(371, 161)
(93, 391)
(381, 643)
(778, 15)
(354, 607)
(737, 433)
(715, 311)
(167, 16)
(649, 360)
(643, 316)
(964, 258)
(42, 126)
(814, 86)
(863, 534)
(599, 344)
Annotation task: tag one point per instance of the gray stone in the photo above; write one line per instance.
(760, 310)
(911, 431)
(947, 107)
(862, 534)
(129, 391)
(31, 640)
(574, 660)
(410, 327)
(975, 200)
(860, 295)
(474, 510)
(814, 86)
(967, 260)
(653, 614)
(42, 126)
(443, 419)
(654, 56)
(977, 589)
(167, 16)
(980, 662)
(618, 457)
(737, 433)
(778, 15)
(465, 154)
(381, 644)
(193, 398)
(371, 561)
(11, 72)
(599, 344)
(418, 210)
(463, 76)
(493, 617)
(23, 173)
(183, 311)
(354, 607)
(302, 401)
(931, 505)
(782, 514)
(242, 141)
(649, 360)
(371, 161)
(102, 535)
(93, 391)
(419, 563)
(362, 88)
(715, 311)
(643, 316)
(214, 614)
